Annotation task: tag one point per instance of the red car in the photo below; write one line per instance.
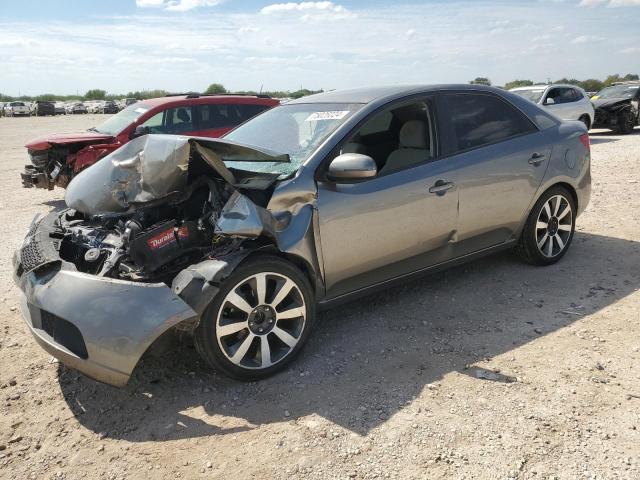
(57, 158)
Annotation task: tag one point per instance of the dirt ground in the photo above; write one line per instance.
(490, 370)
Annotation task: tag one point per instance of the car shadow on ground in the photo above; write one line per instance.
(56, 205)
(368, 359)
(599, 140)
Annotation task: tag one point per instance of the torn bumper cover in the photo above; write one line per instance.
(99, 326)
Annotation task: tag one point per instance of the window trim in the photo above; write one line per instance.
(427, 97)
(449, 137)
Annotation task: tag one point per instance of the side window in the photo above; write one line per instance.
(476, 120)
(577, 94)
(566, 95)
(396, 138)
(156, 123)
(212, 116)
(179, 120)
(553, 94)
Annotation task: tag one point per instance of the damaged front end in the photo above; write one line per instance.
(619, 114)
(57, 164)
(151, 231)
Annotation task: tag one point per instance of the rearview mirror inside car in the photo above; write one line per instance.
(352, 166)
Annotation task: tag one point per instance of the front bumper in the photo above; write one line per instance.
(99, 326)
(604, 119)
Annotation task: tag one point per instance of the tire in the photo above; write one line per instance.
(586, 120)
(626, 122)
(253, 327)
(546, 244)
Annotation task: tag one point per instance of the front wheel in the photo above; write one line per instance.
(259, 321)
(549, 229)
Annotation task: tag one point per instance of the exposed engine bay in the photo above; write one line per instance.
(151, 244)
(161, 213)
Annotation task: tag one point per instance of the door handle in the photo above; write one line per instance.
(536, 158)
(441, 187)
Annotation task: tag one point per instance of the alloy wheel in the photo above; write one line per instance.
(261, 320)
(554, 226)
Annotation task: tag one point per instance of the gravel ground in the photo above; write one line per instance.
(490, 370)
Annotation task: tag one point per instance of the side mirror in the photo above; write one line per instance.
(549, 101)
(139, 131)
(352, 166)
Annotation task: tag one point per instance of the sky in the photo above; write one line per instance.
(71, 46)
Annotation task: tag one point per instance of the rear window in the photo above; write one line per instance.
(476, 120)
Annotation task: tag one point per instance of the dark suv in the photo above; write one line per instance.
(57, 158)
(43, 108)
(616, 107)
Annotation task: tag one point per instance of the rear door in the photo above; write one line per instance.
(501, 158)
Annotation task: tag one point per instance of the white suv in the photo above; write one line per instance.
(565, 101)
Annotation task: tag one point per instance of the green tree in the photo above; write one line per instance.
(215, 88)
(95, 94)
(612, 79)
(517, 83)
(631, 77)
(481, 81)
(592, 85)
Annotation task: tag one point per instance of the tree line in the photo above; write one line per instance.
(98, 94)
(589, 85)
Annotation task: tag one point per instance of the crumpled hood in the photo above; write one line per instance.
(42, 143)
(152, 167)
(608, 103)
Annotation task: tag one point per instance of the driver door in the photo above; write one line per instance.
(395, 223)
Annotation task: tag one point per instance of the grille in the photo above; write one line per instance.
(599, 117)
(39, 159)
(31, 256)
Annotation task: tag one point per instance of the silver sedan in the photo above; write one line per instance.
(322, 199)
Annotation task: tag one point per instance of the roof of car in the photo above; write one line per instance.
(543, 86)
(370, 94)
(206, 99)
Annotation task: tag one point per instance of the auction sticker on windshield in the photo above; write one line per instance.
(334, 115)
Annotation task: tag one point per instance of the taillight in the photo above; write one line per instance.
(584, 138)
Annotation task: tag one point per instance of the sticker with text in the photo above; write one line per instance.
(333, 115)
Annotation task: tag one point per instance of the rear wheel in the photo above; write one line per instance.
(259, 320)
(549, 229)
(626, 122)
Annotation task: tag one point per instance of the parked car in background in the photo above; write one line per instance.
(130, 101)
(76, 108)
(59, 108)
(566, 101)
(93, 106)
(43, 108)
(17, 109)
(56, 159)
(109, 106)
(617, 107)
